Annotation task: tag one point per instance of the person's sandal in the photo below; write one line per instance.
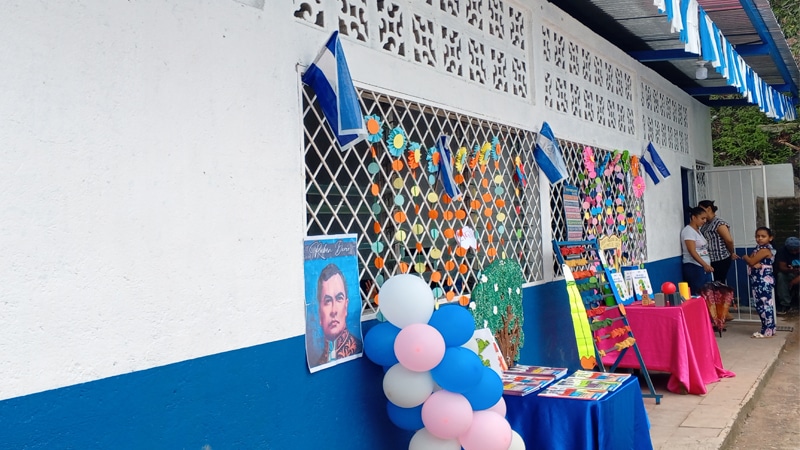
(758, 335)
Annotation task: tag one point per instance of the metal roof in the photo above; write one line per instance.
(636, 27)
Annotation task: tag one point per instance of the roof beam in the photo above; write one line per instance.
(763, 32)
(739, 102)
(728, 90)
(673, 54)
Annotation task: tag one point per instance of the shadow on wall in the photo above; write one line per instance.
(549, 333)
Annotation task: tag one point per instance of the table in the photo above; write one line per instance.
(678, 340)
(617, 421)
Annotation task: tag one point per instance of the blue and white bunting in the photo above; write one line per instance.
(330, 79)
(703, 38)
(446, 168)
(548, 156)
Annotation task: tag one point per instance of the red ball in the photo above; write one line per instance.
(668, 288)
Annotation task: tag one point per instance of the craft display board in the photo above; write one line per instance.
(594, 290)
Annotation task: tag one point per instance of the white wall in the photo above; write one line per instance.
(151, 179)
(151, 187)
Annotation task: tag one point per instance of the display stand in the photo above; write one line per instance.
(602, 302)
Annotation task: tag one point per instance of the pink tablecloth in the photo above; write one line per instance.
(678, 340)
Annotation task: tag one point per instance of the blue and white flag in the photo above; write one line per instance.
(330, 78)
(653, 163)
(446, 168)
(548, 156)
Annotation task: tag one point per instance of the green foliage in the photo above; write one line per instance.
(743, 136)
(739, 140)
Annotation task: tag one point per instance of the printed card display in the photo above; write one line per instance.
(625, 295)
(485, 346)
(640, 281)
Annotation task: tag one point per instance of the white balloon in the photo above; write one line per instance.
(405, 299)
(406, 388)
(516, 441)
(424, 440)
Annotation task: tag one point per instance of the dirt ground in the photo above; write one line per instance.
(774, 422)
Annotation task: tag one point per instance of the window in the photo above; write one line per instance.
(404, 221)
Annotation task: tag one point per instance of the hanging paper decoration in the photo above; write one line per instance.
(414, 155)
(461, 159)
(588, 161)
(374, 128)
(583, 332)
(466, 238)
(495, 152)
(484, 154)
(638, 186)
(396, 141)
(433, 160)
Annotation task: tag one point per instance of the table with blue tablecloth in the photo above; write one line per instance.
(617, 421)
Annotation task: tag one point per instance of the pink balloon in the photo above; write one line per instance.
(489, 431)
(419, 347)
(499, 407)
(447, 415)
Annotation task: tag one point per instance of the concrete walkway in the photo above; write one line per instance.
(708, 421)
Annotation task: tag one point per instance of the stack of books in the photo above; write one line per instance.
(586, 385)
(522, 380)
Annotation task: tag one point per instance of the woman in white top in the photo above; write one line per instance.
(696, 261)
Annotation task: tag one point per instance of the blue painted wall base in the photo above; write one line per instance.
(259, 397)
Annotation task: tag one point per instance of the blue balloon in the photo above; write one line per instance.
(487, 392)
(455, 323)
(379, 344)
(405, 418)
(460, 370)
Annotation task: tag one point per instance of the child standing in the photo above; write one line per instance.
(762, 281)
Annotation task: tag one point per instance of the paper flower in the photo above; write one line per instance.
(433, 160)
(483, 154)
(396, 142)
(414, 155)
(638, 186)
(588, 161)
(461, 159)
(495, 148)
(374, 128)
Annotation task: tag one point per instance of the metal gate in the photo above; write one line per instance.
(741, 195)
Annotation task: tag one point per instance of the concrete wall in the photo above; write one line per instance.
(151, 289)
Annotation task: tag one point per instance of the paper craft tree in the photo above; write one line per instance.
(498, 305)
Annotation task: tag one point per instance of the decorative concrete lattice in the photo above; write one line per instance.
(582, 84)
(664, 119)
(481, 41)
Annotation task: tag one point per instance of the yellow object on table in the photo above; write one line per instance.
(683, 288)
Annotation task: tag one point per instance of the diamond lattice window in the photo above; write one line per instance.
(404, 221)
(609, 204)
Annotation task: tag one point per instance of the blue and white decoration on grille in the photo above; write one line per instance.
(446, 168)
(702, 37)
(548, 156)
(330, 78)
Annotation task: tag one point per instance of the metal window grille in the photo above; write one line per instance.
(625, 209)
(400, 225)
